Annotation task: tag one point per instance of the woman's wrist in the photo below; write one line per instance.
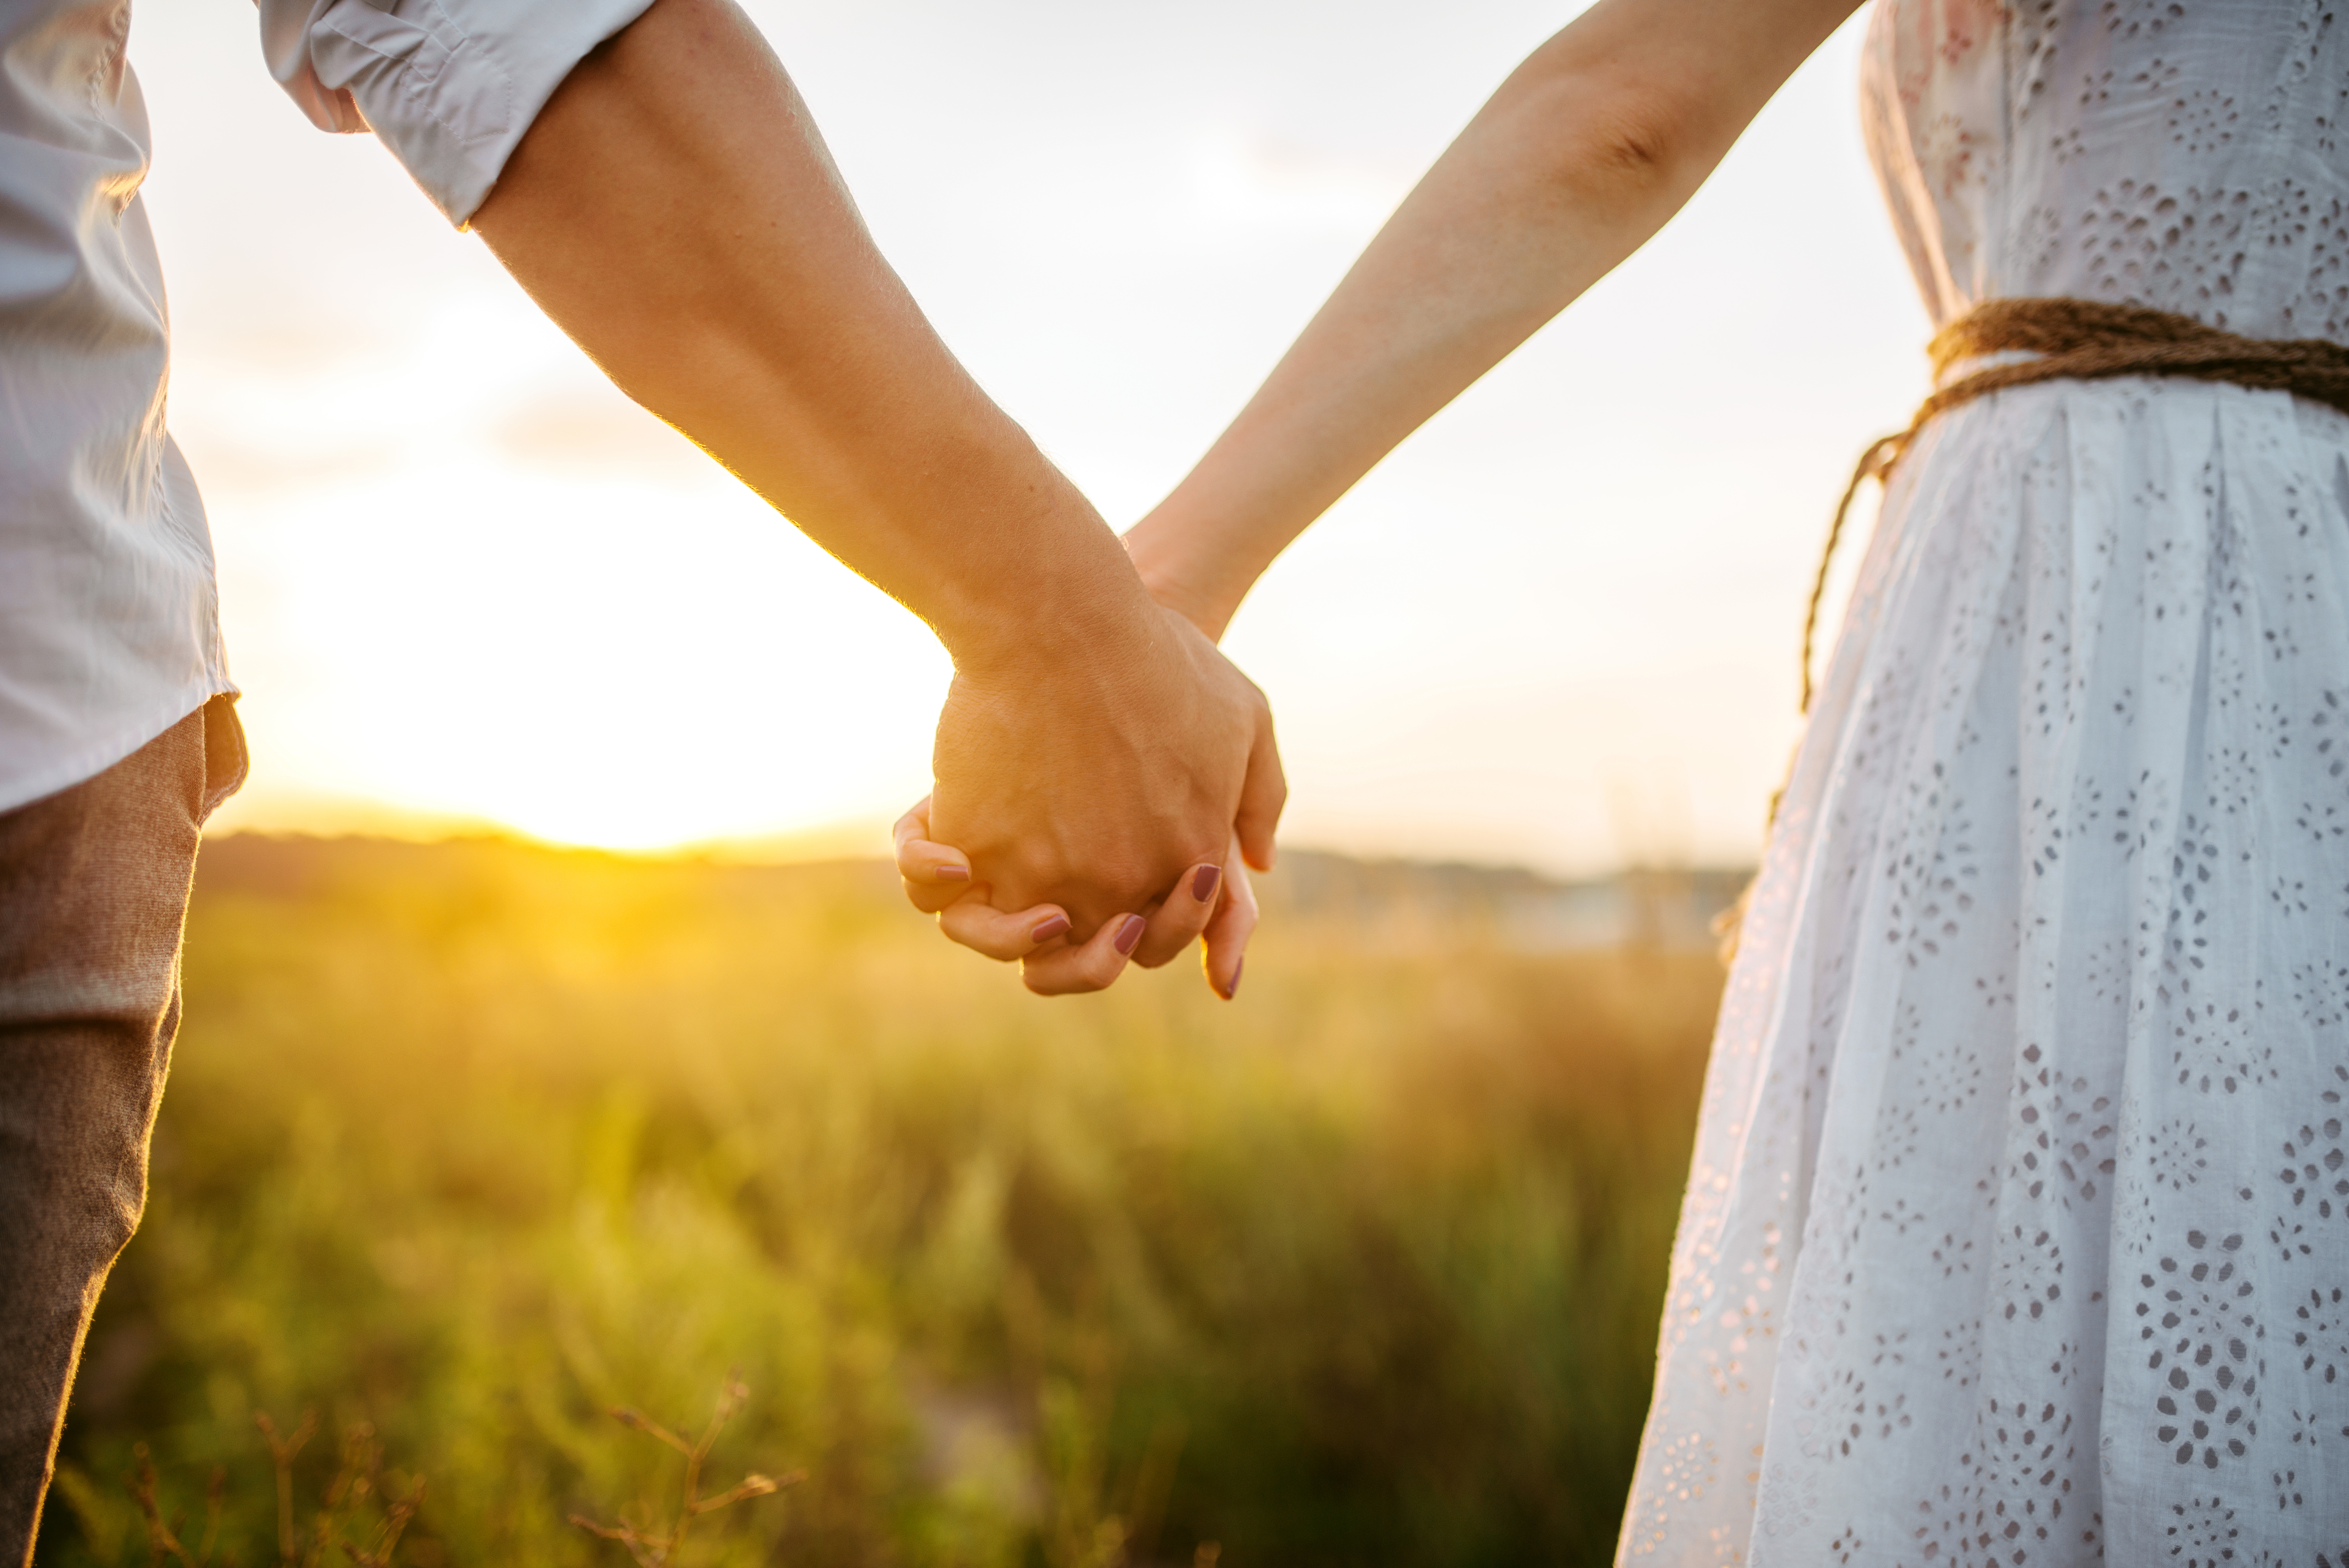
(1178, 574)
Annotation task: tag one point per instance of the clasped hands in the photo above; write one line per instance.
(1098, 795)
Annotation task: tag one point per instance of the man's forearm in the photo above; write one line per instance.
(673, 209)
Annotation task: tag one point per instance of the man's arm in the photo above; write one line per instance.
(674, 209)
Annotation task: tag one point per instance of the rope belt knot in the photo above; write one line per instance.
(2081, 340)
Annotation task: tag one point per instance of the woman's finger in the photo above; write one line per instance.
(935, 875)
(1092, 967)
(1228, 931)
(1003, 935)
(1182, 915)
(934, 894)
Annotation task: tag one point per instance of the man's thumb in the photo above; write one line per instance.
(1263, 792)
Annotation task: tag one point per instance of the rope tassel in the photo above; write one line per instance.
(1875, 463)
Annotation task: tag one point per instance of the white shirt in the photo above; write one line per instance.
(109, 623)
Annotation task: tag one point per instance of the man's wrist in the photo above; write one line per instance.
(1066, 591)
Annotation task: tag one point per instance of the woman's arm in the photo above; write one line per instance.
(1588, 148)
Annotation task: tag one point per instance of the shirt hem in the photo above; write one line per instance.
(96, 758)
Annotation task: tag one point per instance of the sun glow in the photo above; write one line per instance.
(519, 599)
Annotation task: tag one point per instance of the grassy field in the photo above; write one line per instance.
(468, 1145)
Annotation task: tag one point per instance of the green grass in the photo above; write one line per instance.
(468, 1144)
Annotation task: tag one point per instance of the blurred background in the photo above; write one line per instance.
(556, 1046)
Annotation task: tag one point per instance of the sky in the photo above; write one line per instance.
(466, 583)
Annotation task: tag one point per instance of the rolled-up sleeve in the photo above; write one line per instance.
(450, 86)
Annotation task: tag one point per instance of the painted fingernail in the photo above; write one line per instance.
(950, 873)
(1234, 989)
(1128, 936)
(1051, 926)
(1204, 881)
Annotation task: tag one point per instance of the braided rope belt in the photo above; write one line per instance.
(2072, 340)
(2080, 340)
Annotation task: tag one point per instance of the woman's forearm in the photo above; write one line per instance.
(1588, 148)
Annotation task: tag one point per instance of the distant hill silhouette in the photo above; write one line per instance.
(1378, 903)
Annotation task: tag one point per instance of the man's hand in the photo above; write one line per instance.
(1116, 782)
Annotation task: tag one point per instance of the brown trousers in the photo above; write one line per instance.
(93, 893)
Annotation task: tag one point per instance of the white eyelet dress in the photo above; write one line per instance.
(2018, 1226)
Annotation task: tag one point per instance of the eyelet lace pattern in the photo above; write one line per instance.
(2018, 1227)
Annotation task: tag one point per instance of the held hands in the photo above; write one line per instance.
(1098, 809)
(1207, 902)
